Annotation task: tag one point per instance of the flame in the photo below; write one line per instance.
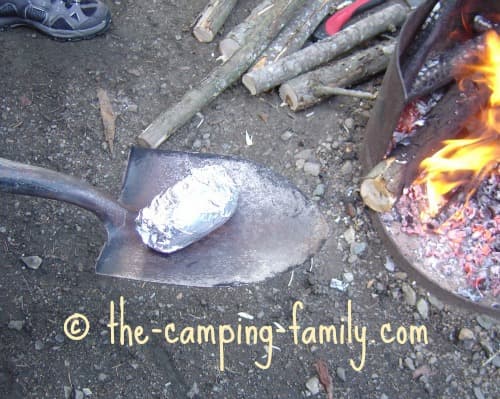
(465, 162)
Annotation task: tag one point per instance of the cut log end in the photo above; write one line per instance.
(376, 196)
(203, 34)
(144, 142)
(249, 83)
(289, 96)
(381, 188)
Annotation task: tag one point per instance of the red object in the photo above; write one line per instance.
(338, 20)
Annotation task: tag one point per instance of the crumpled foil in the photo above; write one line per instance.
(189, 210)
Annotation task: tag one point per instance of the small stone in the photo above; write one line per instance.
(3, 229)
(194, 391)
(319, 191)
(346, 168)
(357, 248)
(349, 123)
(87, 392)
(389, 264)
(39, 345)
(287, 135)
(312, 168)
(313, 385)
(348, 277)
(485, 321)
(400, 275)
(33, 262)
(384, 396)
(16, 325)
(306, 155)
(197, 144)
(341, 373)
(78, 394)
(59, 338)
(478, 393)
(409, 295)
(299, 164)
(465, 334)
(102, 377)
(67, 392)
(350, 235)
(409, 363)
(435, 302)
(132, 107)
(423, 308)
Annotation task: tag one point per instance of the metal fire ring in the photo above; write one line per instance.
(384, 118)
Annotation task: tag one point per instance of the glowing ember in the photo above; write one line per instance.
(463, 163)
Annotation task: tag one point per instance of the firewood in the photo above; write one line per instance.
(383, 185)
(212, 18)
(436, 27)
(443, 68)
(312, 87)
(222, 76)
(325, 50)
(296, 32)
(238, 36)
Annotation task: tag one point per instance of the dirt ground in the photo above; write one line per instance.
(49, 116)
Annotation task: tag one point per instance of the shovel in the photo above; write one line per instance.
(274, 227)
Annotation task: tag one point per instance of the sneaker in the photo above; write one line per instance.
(60, 19)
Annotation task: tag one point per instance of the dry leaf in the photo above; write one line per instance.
(324, 377)
(108, 118)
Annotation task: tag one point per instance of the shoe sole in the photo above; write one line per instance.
(57, 34)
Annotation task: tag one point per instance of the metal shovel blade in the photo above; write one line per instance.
(274, 227)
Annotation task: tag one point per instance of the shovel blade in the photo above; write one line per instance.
(274, 227)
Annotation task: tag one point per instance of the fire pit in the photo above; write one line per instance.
(432, 151)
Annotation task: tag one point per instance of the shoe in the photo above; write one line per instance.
(60, 19)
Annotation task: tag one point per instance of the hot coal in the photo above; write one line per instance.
(462, 252)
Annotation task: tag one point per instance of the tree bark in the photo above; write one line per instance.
(312, 87)
(212, 18)
(325, 50)
(238, 36)
(383, 185)
(296, 33)
(221, 77)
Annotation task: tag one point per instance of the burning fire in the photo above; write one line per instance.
(463, 163)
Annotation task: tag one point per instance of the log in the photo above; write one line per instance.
(448, 65)
(221, 77)
(312, 87)
(383, 185)
(296, 32)
(238, 36)
(437, 26)
(212, 18)
(325, 50)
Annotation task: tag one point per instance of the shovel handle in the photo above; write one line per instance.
(19, 178)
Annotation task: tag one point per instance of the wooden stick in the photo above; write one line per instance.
(296, 33)
(238, 36)
(325, 50)
(326, 91)
(383, 185)
(212, 18)
(312, 87)
(221, 77)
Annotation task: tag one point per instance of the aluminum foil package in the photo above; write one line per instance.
(189, 210)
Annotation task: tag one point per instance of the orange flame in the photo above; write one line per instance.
(465, 162)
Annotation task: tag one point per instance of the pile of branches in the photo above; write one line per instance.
(271, 48)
